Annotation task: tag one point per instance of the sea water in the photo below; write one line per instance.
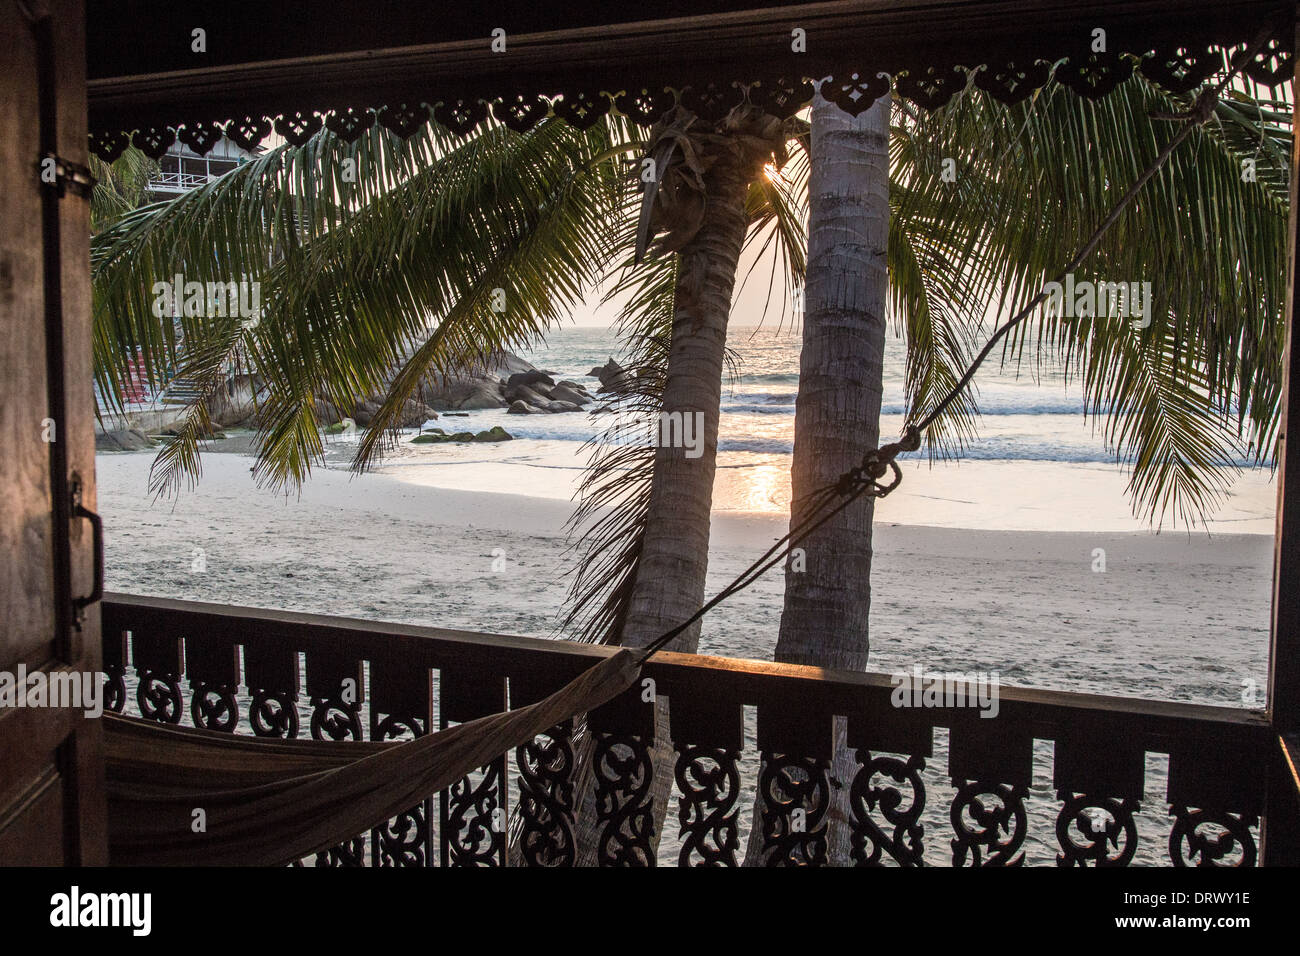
(1036, 463)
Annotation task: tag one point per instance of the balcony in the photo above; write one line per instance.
(177, 182)
(1064, 778)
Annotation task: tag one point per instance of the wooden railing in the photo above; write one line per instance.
(1075, 779)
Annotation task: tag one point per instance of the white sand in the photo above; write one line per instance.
(1174, 616)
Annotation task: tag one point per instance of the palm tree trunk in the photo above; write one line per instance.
(675, 550)
(837, 412)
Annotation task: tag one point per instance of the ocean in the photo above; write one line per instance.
(1038, 462)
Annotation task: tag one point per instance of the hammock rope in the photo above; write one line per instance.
(272, 802)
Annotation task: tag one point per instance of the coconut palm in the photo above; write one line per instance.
(120, 187)
(837, 414)
(1182, 397)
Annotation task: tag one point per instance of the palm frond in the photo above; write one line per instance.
(1032, 183)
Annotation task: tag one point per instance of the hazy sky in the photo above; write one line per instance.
(748, 302)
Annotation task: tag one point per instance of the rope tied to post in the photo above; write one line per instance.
(878, 461)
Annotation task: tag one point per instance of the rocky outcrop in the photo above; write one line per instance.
(522, 389)
(495, 433)
(613, 377)
(326, 413)
(510, 382)
(438, 436)
(507, 382)
(534, 377)
(536, 397)
(127, 439)
(568, 392)
(476, 388)
(235, 402)
(364, 413)
(414, 413)
(469, 393)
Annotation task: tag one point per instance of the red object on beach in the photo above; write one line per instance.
(133, 386)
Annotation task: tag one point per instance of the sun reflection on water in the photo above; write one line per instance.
(747, 481)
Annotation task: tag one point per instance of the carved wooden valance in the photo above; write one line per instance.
(926, 51)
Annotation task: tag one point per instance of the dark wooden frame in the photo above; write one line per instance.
(1281, 837)
(595, 53)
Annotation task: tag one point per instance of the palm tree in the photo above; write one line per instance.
(1191, 392)
(837, 414)
(399, 268)
(709, 171)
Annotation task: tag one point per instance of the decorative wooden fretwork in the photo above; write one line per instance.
(273, 714)
(854, 86)
(401, 708)
(473, 824)
(546, 765)
(1096, 831)
(159, 661)
(796, 796)
(623, 771)
(1215, 838)
(625, 819)
(886, 803)
(213, 706)
(989, 824)
(709, 781)
(1215, 798)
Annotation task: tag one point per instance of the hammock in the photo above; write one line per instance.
(271, 802)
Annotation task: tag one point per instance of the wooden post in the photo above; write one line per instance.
(1281, 827)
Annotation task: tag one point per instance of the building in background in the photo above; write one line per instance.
(182, 169)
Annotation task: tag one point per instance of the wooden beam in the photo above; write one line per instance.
(143, 81)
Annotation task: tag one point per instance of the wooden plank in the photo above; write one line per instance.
(26, 528)
(33, 833)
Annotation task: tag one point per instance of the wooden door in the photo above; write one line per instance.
(51, 760)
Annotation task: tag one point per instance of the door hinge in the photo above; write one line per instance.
(67, 176)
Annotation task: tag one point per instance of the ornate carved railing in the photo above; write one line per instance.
(1074, 779)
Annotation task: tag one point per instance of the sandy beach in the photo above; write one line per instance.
(1175, 615)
